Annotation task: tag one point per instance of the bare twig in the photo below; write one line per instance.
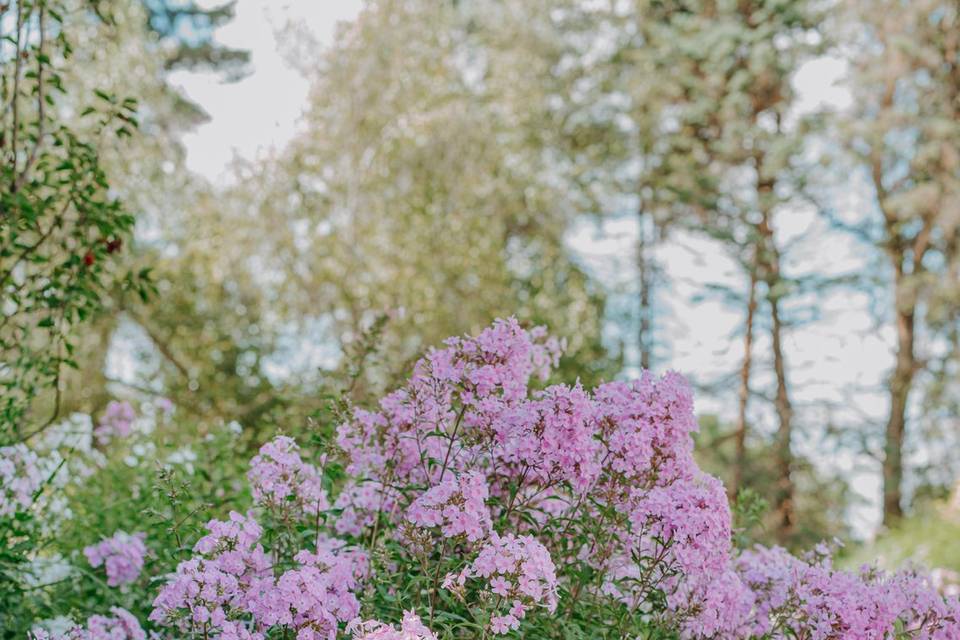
(41, 106)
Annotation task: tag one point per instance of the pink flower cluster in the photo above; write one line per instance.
(454, 393)
(411, 628)
(121, 626)
(646, 427)
(676, 541)
(20, 478)
(229, 590)
(687, 521)
(809, 598)
(117, 421)
(518, 571)
(209, 593)
(468, 408)
(312, 599)
(457, 505)
(281, 480)
(121, 555)
(468, 427)
(551, 438)
(359, 503)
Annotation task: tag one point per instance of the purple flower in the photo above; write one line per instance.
(117, 421)
(121, 626)
(20, 478)
(280, 480)
(121, 555)
(411, 628)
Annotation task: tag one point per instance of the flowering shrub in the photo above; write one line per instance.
(809, 594)
(602, 484)
(471, 504)
(228, 588)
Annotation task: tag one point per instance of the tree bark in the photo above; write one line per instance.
(645, 272)
(900, 383)
(740, 459)
(784, 501)
(768, 266)
(785, 489)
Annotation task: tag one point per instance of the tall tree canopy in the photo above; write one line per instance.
(415, 185)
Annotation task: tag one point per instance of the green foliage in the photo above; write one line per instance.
(190, 28)
(821, 501)
(435, 201)
(748, 511)
(927, 539)
(61, 228)
(162, 485)
(61, 232)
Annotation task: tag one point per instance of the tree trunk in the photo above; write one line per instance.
(645, 272)
(740, 459)
(785, 506)
(768, 266)
(784, 502)
(900, 383)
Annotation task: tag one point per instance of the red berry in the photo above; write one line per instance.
(88, 258)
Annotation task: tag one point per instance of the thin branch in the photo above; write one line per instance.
(41, 108)
(161, 344)
(43, 238)
(58, 391)
(15, 100)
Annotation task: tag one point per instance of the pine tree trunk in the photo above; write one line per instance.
(784, 501)
(900, 383)
(740, 459)
(785, 489)
(644, 268)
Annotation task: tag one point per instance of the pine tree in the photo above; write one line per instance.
(905, 133)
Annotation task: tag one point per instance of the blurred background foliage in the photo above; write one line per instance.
(447, 152)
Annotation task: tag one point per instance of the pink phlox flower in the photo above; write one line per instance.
(116, 422)
(121, 555)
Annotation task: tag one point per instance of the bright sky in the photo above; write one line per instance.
(261, 111)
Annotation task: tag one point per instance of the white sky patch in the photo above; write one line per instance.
(260, 112)
(819, 85)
